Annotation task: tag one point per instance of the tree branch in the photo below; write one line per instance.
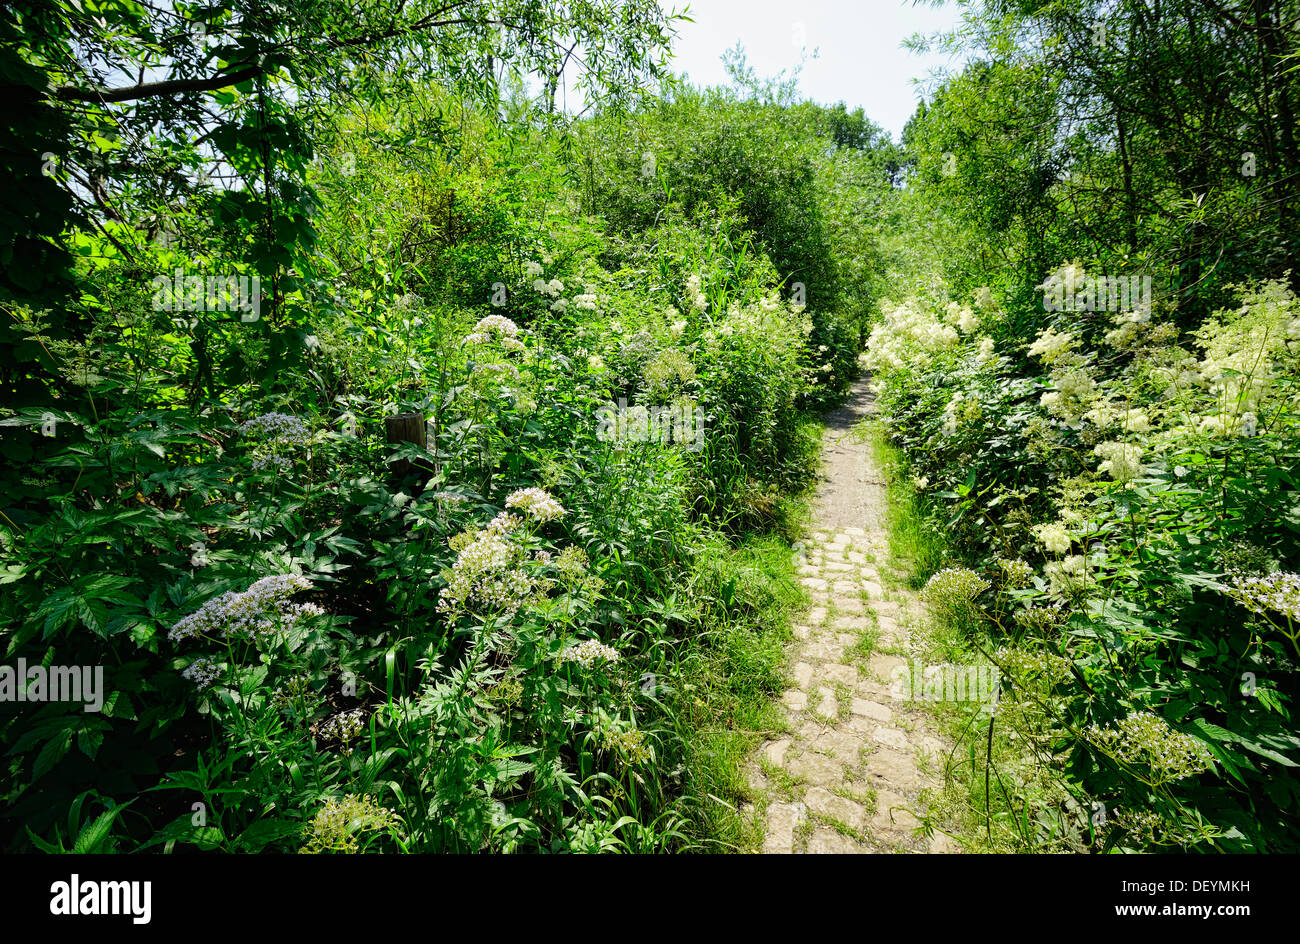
(72, 93)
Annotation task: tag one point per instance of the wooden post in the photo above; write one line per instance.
(406, 428)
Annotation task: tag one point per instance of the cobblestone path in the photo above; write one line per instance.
(850, 774)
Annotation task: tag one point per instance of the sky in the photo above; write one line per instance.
(862, 60)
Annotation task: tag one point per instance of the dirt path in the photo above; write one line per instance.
(850, 773)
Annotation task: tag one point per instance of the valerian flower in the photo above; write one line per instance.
(344, 727)
(280, 427)
(337, 824)
(536, 504)
(953, 589)
(1278, 593)
(488, 572)
(589, 653)
(260, 613)
(1144, 739)
(629, 745)
(202, 672)
(278, 435)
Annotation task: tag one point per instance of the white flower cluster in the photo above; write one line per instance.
(1075, 392)
(339, 822)
(488, 573)
(259, 613)
(963, 317)
(281, 427)
(1054, 537)
(629, 744)
(585, 301)
(953, 588)
(1069, 576)
(498, 328)
(961, 409)
(1105, 414)
(588, 653)
(984, 300)
(1243, 350)
(532, 270)
(344, 727)
(1016, 573)
(1051, 346)
(987, 352)
(696, 294)
(552, 288)
(906, 336)
(1122, 461)
(1279, 592)
(535, 503)
(1145, 739)
(202, 672)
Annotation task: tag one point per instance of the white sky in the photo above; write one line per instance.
(862, 60)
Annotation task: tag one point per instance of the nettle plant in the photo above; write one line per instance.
(1138, 502)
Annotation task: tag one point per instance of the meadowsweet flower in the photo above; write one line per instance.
(535, 503)
(532, 270)
(1122, 461)
(560, 305)
(586, 301)
(260, 613)
(1075, 392)
(339, 822)
(987, 352)
(908, 335)
(1054, 537)
(695, 293)
(589, 653)
(984, 300)
(1068, 577)
(1144, 739)
(1050, 345)
(963, 317)
(595, 362)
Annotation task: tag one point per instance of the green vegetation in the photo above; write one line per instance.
(1113, 473)
(547, 616)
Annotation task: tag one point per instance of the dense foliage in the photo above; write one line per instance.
(252, 237)
(1116, 459)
